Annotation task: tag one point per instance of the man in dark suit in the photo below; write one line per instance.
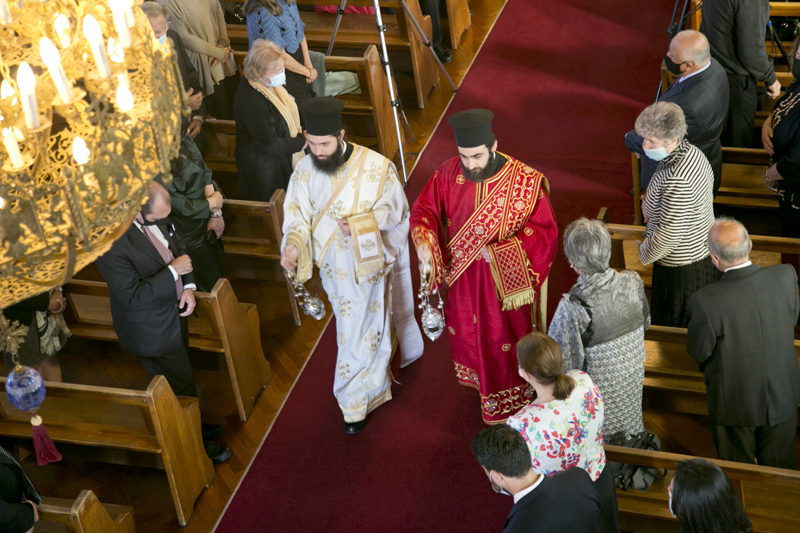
(741, 333)
(701, 91)
(735, 29)
(564, 502)
(18, 497)
(149, 277)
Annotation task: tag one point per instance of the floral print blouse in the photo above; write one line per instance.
(565, 433)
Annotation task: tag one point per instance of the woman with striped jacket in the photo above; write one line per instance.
(678, 209)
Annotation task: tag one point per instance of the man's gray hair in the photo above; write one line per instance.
(730, 253)
(701, 52)
(262, 57)
(587, 245)
(152, 10)
(663, 121)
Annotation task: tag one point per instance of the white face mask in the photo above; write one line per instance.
(498, 489)
(277, 81)
(670, 503)
(656, 154)
(163, 38)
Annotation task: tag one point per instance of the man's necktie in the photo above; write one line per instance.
(30, 490)
(164, 252)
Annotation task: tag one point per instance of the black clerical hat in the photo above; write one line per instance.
(323, 115)
(472, 127)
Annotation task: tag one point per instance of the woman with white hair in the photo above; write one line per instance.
(269, 139)
(599, 326)
(679, 210)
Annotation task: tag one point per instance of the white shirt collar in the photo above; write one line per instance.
(737, 267)
(524, 492)
(684, 78)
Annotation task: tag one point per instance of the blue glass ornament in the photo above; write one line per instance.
(25, 388)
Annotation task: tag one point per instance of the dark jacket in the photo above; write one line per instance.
(567, 501)
(15, 517)
(144, 304)
(189, 75)
(735, 30)
(704, 99)
(264, 144)
(741, 333)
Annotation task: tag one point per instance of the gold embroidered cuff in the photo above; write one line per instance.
(421, 234)
(303, 257)
(512, 280)
(367, 246)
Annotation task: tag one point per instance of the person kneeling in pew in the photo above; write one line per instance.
(150, 281)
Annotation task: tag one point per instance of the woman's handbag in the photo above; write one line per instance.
(634, 476)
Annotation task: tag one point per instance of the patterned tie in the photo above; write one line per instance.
(162, 250)
(30, 491)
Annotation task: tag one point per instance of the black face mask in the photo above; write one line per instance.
(673, 67)
(796, 69)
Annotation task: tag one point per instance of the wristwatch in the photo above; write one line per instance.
(216, 214)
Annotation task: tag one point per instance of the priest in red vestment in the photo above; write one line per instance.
(485, 224)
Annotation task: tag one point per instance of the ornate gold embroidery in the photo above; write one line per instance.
(451, 330)
(340, 244)
(326, 270)
(368, 244)
(344, 370)
(293, 208)
(344, 306)
(465, 373)
(528, 231)
(372, 174)
(302, 175)
(506, 401)
(374, 307)
(506, 347)
(336, 211)
(341, 274)
(372, 339)
(341, 339)
(474, 319)
(364, 206)
(460, 179)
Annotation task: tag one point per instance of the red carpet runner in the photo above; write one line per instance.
(566, 80)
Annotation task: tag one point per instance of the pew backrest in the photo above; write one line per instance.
(86, 514)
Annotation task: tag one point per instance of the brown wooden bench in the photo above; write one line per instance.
(368, 118)
(85, 514)
(625, 255)
(155, 422)
(769, 495)
(222, 325)
(409, 54)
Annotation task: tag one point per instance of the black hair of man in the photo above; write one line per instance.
(502, 449)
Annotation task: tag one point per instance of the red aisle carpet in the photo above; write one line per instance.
(566, 81)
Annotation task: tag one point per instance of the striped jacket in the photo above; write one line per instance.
(680, 209)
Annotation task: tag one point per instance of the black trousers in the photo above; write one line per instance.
(790, 218)
(609, 520)
(431, 9)
(742, 111)
(174, 366)
(673, 288)
(765, 445)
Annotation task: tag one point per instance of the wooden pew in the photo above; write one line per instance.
(458, 20)
(164, 427)
(741, 183)
(222, 325)
(625, 256)
(409, 54)
(768, 494)
(85, 514)
(368, 118)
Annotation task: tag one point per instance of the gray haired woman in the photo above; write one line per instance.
(600, 325)
(679, 210)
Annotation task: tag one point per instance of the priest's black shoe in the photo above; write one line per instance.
(443, 54)
(353, 428)
(211, 431)
(217, 454)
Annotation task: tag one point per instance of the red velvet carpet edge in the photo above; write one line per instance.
(566, 81)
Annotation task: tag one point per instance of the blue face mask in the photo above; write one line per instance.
(163, 38)
(278, 80)
(656, 154)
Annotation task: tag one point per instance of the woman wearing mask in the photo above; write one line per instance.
(780, 135)
(269, 140)
(679, 210)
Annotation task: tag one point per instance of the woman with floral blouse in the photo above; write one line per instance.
(563, 425)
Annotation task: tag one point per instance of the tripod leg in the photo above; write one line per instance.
(427, 43)
(339, 14)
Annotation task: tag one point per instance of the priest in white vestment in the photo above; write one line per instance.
(346, 212)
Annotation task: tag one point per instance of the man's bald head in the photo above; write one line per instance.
(158, 204)
(692, 46)
(729, 243)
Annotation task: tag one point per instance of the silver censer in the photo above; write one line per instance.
(312, 305)
(432, 319)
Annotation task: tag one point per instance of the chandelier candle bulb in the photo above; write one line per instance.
(52, 59)
(27, 88)
(10, 142)
(93, 34)
(121, 21)
(5, 13)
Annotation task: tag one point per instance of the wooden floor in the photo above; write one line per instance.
(287, 347)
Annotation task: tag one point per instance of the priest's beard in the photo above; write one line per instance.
(331, 163)
(477, 175)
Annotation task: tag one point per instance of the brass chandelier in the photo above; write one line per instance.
(90, 113)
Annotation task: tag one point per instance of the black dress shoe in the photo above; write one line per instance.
(353, 428)
(217, 454)
(211, 431)
(443, 54)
